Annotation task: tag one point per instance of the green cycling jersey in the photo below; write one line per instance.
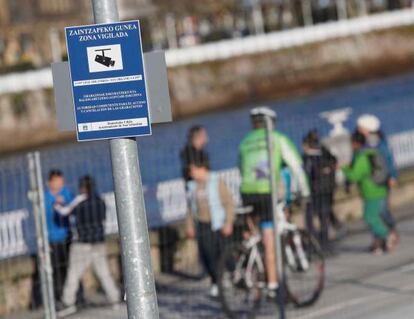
(254, 165)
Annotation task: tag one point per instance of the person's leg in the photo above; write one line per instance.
(218, 242)
(333, 219)
(206, 249)
(36, 298)
(101, 268)
(80, 298)
(79, 260)
(58, 258)
(270, 255)
(388, 217)
(323, 214)
(372, 216)
(310, 208)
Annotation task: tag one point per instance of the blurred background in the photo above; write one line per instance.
(310, 60)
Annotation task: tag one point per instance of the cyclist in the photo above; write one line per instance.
(255, 186)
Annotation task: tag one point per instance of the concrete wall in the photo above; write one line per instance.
(213, 85)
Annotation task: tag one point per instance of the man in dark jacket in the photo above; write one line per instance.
(320, 166)
(194, 152)
(89, 212)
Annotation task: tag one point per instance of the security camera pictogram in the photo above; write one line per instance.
(104, 60)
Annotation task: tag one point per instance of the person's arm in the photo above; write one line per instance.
(184, 163)
(228, 204)
(292, 158)
(103, 209)
(390, 161)
(308, 166)
(67, 210)
(189, 224)
(359, 169)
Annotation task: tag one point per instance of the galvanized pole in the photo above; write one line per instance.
(341, 9)
(132, 222)
(43, 250)
(43, 224)
(258, 19)
(34, 198)
(362, 8)
(171, 29)
(307, 12)
(55, 46)
(277, 234)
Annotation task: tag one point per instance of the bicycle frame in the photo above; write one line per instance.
(283, 227)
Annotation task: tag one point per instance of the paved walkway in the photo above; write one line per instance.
(359, 285)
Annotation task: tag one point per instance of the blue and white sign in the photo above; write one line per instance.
(108, 80)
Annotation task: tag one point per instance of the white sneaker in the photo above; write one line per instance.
(214, 292)
(65, 311)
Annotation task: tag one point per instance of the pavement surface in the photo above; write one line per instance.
(358, 285)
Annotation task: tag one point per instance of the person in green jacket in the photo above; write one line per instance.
(373, 194)
(255, 182)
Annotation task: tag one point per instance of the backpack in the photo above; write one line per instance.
(379, 168)
(328, 169)
(321, 170)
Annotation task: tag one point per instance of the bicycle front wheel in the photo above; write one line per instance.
(304, 268)
(240, 283)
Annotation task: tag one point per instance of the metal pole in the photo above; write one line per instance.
(46, 248)
(258, 18)
(307, 12)
(44, 263)
(43, 224)
(33, 196)
(277, 236)
(133, 229)
(362, 8)
(341, 9)
(55, 46)
(171, 31)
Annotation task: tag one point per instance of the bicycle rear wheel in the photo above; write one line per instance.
(240, 290)
(304, 268)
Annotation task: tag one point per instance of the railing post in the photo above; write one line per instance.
(277, 234)
(36, 196)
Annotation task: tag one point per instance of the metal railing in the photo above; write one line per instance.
(170, 200)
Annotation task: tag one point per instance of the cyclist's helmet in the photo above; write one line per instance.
(259, 113)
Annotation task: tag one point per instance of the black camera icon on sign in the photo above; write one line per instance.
(104, 60)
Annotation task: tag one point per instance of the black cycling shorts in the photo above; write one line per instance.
(262, 206)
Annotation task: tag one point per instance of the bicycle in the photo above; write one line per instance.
(242, 279)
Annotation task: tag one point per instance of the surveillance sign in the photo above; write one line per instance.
(108, 80)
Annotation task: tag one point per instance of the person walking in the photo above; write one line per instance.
(89, 212)
(373, 193)
(370, 126)
(210, 217)
(194, 152)
(58, 228)
(320, 166)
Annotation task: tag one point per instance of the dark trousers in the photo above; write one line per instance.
(320, 205)
(210, 246)
(59, 255)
